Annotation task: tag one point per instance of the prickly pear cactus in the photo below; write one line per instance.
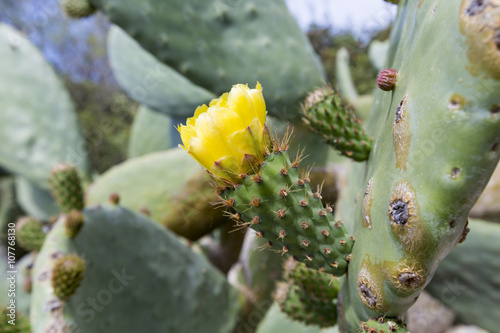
(308, 295)
(149, 81)
(326, 113)
(30, 233)
(437, 141)
(67, 188)
(214, 44)
(38, 125)
(134, 270)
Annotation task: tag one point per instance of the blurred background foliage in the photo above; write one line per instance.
(77, 50)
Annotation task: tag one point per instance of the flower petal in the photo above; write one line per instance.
(259, 104)
(240, 101)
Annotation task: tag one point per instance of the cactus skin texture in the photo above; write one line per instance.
(467, 279)
(437, 141)
(67, 187)
(383, 325)
(281, 207)
(22, 323)
(30, 233)
(67, 275)
(326, 113)
(78, 8)
(308, 295)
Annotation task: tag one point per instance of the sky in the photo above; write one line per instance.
(359, 15)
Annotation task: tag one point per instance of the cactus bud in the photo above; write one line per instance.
(77, 8)
(30, 233)
(66, 187)
(73, 223)
(387, 79)
(67, 275)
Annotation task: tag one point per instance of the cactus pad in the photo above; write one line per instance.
(281, 207)
(30, 234)
(326, 113)
(67, 187)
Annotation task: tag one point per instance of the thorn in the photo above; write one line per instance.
(352, 238)
(300, 182)
(304, 225)
(342, 242)
(280, 214)
(338, 224)
(259, 234)
(303, 203)
(283, 193)
(309, 257)
(322, 213)
(334, 264)
(257, 178)
(325, 232)
(349, 257)
(255, 220)
(282, 234)
(305, 243)
(327, 250)
(284, 171)
(255, 202)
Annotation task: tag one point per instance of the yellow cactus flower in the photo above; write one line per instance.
(229, 137)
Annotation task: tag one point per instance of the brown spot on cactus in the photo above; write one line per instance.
(255, 202)
(283, 193)
(255, 220)
(325, 232)
(479, 23)
(114, 198)
(371, 286)
(280, 213)
(457, 102)
(406, 221)
(304, 225)
(322, 213)
(401, 134)
(495, 109)
(453, 223)
(455, 172)
(411, 279)
(305, 243)
(303, 203)
(465, 232)
(367, 205)
(387, 79)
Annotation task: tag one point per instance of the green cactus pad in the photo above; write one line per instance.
(308, 295)
(326, 113)
(437, 143)
(281, 207)
(30, 234)
(35, 200)
(151, 132)
(149, 81)
(67, 187)
(147, 283)
(383, 325)
(216, 44)
(67, 274)
(467, 279)
(77, 8)
(276, 321)
(136, 182)
(38, 124)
